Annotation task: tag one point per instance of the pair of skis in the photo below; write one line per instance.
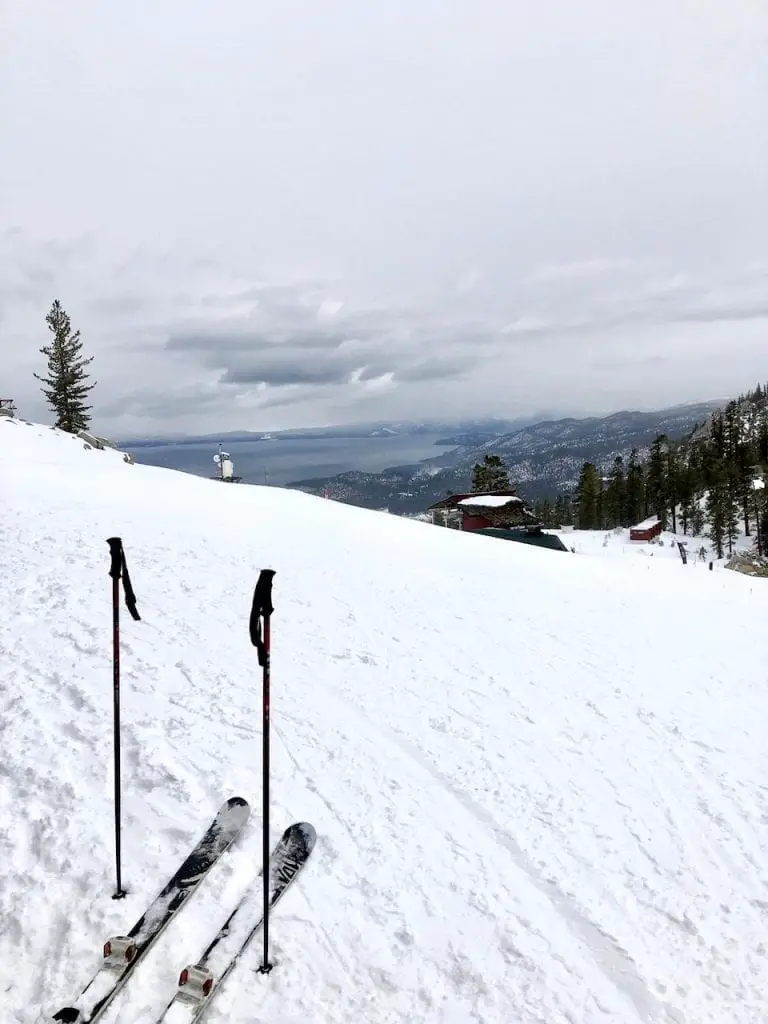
(199, 982)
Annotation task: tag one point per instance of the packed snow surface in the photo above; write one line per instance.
(538, 778)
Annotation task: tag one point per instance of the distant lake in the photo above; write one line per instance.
(282, 462)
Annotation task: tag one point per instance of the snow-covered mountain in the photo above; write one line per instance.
(543, 458)
(537, 778)
(554, 451)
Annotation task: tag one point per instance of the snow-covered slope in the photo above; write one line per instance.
(538, 779)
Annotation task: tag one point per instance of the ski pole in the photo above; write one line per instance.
(260, 622)
(118, 569)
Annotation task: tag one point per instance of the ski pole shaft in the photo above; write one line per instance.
(265, 791)
(115, 546)
(260, 630)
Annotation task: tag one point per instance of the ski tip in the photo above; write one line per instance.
(232, 815)
(302, 833)
(236, 801)
(67, 1015)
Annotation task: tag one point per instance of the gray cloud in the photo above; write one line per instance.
(435, 369)
(723, 313)
(433, 208)
(154, 403)
(302, 360)
(278, 374)
(242, 338)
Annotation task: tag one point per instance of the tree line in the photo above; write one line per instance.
(706, 480)
(709, 481)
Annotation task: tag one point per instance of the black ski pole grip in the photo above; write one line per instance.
(119, 568)
(116, 556)
(261, 608)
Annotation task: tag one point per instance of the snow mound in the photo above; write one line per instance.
(538, 780)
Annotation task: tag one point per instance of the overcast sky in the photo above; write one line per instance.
(272, 213)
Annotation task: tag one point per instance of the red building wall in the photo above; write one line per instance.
(647, 534)
(471, 522)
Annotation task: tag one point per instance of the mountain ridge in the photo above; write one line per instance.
(543, 458)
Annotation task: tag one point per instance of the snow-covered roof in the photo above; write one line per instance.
(646, 523)
(490, 500)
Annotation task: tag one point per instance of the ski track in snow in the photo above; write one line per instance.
(537, 780)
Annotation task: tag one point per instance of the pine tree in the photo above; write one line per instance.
(762, 440)
(693, 485)
(544, 512)
(732, 506)
(757, 497)
(635, 489)
(672, 482)
(697, 517)
(66, 387)
(743, 463)
(615, 500)
(686, 495)
(717, 435)
(563, 513)
(588, 496)
(657, 483)
(716, 512)
(490, 475)
(721, 508)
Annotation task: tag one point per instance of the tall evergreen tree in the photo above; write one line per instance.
(697, 517)
(588, 493)
(490, 475)
(600, 499)
(560, 511)
(671, 484)
(686, 495)
(721, 508)
(615, 501)
(758, 492)
(744, 460)
(762, 440)
(716, 503)
(635, 489)
(657, 485)
(732, 506)
(732, 428)
(66, 387)
(717, 435)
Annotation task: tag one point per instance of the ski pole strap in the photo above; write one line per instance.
(261, 609)
(119, 570)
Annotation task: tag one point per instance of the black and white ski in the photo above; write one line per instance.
(199, 982)
(123, 953)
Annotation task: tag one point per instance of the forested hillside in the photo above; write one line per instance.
(711, 479)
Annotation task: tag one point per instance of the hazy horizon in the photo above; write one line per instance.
(535, 418)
